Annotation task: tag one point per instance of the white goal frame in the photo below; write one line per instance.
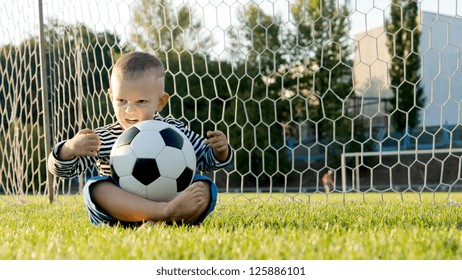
(357, 155)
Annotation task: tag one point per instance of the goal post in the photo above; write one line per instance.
(359, 158)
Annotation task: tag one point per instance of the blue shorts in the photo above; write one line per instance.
(100, 217)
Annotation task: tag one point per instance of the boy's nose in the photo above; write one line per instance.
(129, 108)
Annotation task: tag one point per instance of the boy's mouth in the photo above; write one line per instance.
(131, 121)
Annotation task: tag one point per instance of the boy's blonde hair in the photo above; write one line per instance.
(134, 64)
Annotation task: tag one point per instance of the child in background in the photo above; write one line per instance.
(327, 181)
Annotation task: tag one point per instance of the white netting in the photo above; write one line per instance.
(363, 88)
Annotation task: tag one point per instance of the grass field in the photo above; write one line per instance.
(382, 226)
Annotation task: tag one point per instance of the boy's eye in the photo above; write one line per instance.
(142, 101)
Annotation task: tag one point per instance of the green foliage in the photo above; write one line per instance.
(289, 78)
(197, 85)
(77, 75)
(198, 90)
(20, 76)
(162, 28)
(79, 61)
(82, 58)
(265, 227)
(261, 113)
(403, 45)
(23, 154)
(321, 44)
(260, 98)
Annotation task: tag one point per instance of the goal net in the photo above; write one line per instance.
(370, 90)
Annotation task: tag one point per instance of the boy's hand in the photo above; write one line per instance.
(219, 143)
(84, 143)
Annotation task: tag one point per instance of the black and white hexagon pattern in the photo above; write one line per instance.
(154, 160)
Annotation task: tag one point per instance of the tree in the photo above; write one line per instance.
(290, 77)
(321, 58)
(161, 27)
(200, 86)
(79, 61)
(403, 45)
(259, 130)
(22, 147)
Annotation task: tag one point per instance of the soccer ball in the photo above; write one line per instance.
(154, 160)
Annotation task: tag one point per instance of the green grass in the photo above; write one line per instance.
(382, 226)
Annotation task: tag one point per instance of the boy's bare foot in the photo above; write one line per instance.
(189, 204)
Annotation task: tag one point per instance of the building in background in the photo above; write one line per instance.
(441, 76)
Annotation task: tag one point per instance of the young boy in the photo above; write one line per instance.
(137, 94)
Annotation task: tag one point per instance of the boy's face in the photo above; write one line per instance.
(138, 99)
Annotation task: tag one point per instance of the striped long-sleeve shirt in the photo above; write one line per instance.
(206, 160)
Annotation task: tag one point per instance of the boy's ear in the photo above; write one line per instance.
(163, 100)
(109, 92)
